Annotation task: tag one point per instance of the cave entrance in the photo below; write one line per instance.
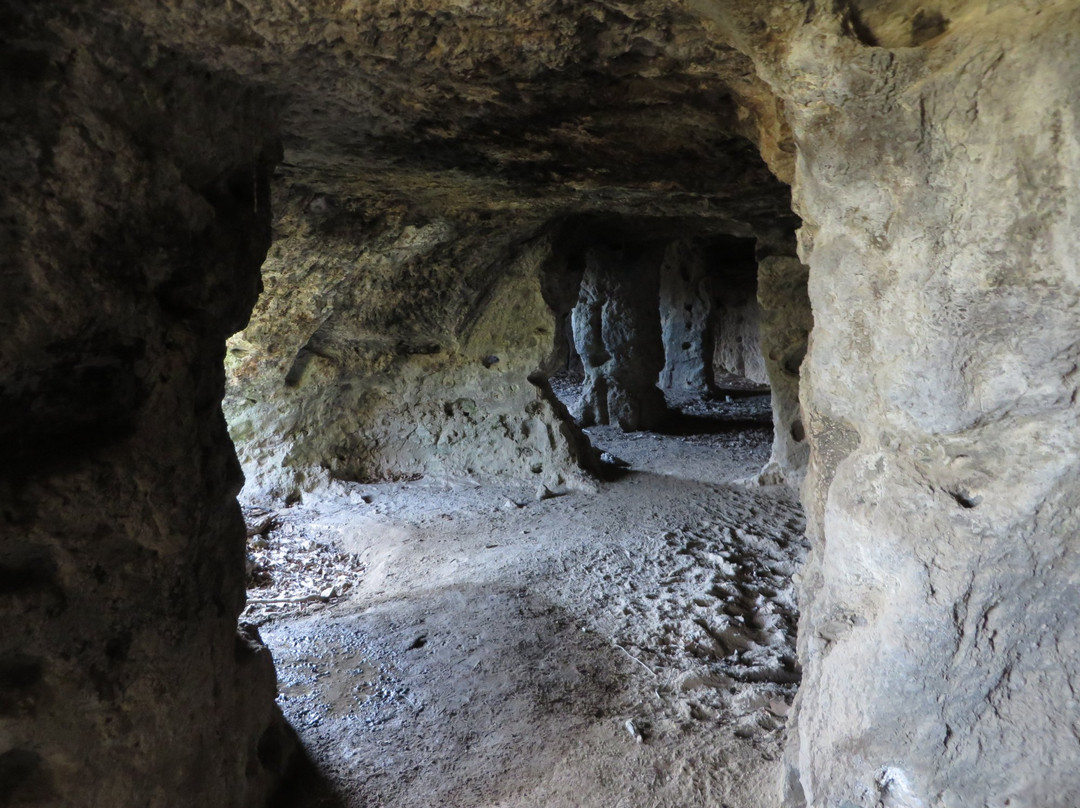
(456, 639)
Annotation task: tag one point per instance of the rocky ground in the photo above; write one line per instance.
(440, 643)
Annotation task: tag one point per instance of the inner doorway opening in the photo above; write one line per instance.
(483, 642)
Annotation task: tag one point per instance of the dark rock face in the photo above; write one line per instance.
(617, 335)
(546, 104)
(135, 217)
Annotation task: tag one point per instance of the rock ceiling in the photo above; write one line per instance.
(542, 108)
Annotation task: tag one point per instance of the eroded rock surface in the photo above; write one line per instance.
(386, 347)
(939, 622)
(135, 217)
(686, 313)
(785, 325)
(617, 335)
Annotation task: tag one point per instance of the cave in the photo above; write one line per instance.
(311, 279)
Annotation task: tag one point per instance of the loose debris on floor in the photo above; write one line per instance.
(291, 568)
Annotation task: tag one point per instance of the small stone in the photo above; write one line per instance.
(778, 707)
(612, 460)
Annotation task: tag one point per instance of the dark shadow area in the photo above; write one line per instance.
(722, 391)
(305, 786)
(458, 677)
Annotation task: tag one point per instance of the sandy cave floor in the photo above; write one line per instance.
(448, 644)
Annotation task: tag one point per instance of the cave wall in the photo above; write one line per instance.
(938, 179)
(737, 322)
(391, 344)
(134, 219)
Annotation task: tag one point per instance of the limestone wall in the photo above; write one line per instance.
(938, 182)
(393, 350)
(134, 219)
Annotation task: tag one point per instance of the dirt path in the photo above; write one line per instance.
(631, 647)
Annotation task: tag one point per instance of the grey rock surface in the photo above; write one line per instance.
(617, 334)
(785, 326)
(397, 350)
(939, 611)
(737, 331)
(686, 318)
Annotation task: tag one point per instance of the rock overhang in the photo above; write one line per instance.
(539, 109)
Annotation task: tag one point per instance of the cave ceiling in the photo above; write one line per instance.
(534, 110)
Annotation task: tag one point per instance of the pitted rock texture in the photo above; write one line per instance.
(939, 619)
(617, 335)
(135, 217)
(785, 325)
(388, 347)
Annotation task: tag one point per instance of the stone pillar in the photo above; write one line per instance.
(784, 330)
(940, 604)
(617, 334)
(134, 221)
(686, 319)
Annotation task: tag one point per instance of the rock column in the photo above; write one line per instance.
(940, 628)
(617, 334)
(686, 319)
(784, 330)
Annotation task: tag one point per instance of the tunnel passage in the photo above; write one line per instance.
(509, 639)
(710, 606)
(397, 606)
(390, 344)
(938, 199)
(654, 311)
